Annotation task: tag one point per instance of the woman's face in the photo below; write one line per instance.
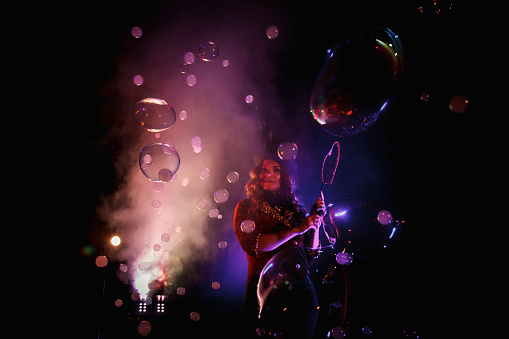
(270, 176)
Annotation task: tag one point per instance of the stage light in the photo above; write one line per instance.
(115, 241)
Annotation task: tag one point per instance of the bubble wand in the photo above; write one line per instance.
(329, 167)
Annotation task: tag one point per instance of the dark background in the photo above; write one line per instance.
(437, 170)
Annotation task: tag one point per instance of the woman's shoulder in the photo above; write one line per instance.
(246, 203)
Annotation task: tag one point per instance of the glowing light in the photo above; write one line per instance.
(115, 241)
(340, 213)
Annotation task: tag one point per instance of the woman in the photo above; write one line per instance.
(280, 224)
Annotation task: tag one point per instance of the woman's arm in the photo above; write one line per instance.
(271, 241)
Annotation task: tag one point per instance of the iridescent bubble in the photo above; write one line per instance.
(196, 142)
(226, 63)
(222, 244)
(101, 261)
(118, 302)
(249, 99)
(272, 32)
(185, 182)
(204, 174)
(165, 161)
(165, 237)
(138, 80)
(247, 226)
(195, 316)
(208, 51)
(183, 68)
(181, 290)
(384, 217)
(216, 285)
(287, 150)
(191, 80)
(201, 204)
(165, 175)
(144, 328)
(344, 258)
(337, 332)
(232, 177)
(458, 104)
(136, 32)
(221, 196)
(123, 268)
(278, 275)
(424, 97)
(213, 213)
(154, 114)
(156, 203)
(182, 115)
(357, 82)
(189, 58)
(197, 149)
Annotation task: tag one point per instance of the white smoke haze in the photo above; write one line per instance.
(231, 131)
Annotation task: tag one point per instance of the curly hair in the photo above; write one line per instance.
(286, 193)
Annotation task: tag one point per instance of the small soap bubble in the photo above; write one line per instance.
(424, 97)
(156, 203)
(144, 328)
(247, 226)
(232, 177)
(196, 142)
(287, 150)
(226, 63)
(458, 104)
(272, 32)
(189, 58)
(249, 98)
(181, 290)
(101, 261)
(183, 68)
(216, 285)
(136, 32)
(195, 316)
(182, 115)
(202, 203)
(221, 195)
(204, 174)
(165, 237)
(222, 244)
(191, 80)
(213, 213)
(156, 247)
(208, 51)
(138, 80)
(118, 302)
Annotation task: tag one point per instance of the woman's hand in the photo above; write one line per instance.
(321, 209)
(311, 222)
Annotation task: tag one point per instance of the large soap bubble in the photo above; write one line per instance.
(357, 82)
(154, 114)
(278, 275)
(159, 162)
